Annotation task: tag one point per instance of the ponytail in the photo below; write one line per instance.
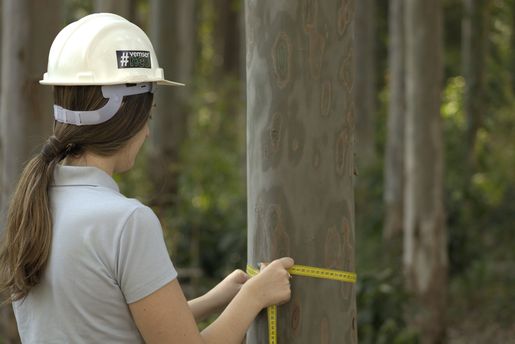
(26, 243)
(27, 238)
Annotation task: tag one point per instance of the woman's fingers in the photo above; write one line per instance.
(285, 262)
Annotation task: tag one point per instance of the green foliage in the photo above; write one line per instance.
(380, 317)
(476, 199)
(210, 213)
(479, 199)
(380, 294)
(212, 200)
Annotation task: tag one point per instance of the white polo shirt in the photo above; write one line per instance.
(107, 251)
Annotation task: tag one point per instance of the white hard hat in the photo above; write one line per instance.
(103, 49)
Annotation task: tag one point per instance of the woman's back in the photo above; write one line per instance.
(107, 251)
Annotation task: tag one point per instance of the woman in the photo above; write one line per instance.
(81, 262)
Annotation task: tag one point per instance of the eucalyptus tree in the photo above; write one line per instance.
(300, 135)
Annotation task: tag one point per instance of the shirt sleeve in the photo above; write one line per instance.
(143, 262)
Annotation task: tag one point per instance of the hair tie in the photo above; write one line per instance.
(51, 149)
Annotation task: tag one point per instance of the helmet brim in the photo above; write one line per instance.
(100, 83)
(169, 83)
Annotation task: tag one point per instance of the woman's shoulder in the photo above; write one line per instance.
(132, 211)
(120, 206)
(106, 206)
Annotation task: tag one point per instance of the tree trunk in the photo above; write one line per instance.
(474, 58)
(512, 47)
(173, 34)
(124, 8)
(365, 81)
(227, 38)
(394, 156)
(25, 105)
(300, 132)
(425, 244)
(1, 149)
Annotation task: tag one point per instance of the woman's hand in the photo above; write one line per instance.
(224, 291)
(271, 286)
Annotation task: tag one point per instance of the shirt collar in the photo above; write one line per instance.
(65, 175)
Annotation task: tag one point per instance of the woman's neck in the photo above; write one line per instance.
(107, 164)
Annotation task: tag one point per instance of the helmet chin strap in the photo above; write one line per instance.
(114, 93)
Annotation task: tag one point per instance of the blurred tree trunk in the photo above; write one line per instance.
(25, 106)
(227, 38)
(242, 118)
(300, 129)
(425, 243)
(394, 155)
(1, 149)
(512, 46)
(365, 81)
(173, 31)
(124, 8)
(229, 58)
(475, 23)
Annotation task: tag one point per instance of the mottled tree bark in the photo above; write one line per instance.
(25, 105)
(173, 32)
(365, 92)
(394, 155)
(300, 133)
(425, 239)
(475, 39)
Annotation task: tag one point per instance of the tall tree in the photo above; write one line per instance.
(425, 239)
(173, 32)
(124, 8)
(227, 37)
(512, 46)
(1, 149)
(365, 80)
(228, 58)
(475, 39)
(394, 156)
(300, 130)
(25, 106)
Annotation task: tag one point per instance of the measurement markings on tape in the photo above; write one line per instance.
(272, 322)
(310, 271)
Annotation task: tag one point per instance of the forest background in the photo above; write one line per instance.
(193, 170)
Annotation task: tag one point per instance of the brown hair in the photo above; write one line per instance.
(27, 239)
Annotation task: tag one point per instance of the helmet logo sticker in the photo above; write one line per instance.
(133, 58)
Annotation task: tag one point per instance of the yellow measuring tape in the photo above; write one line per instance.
(301, 270)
